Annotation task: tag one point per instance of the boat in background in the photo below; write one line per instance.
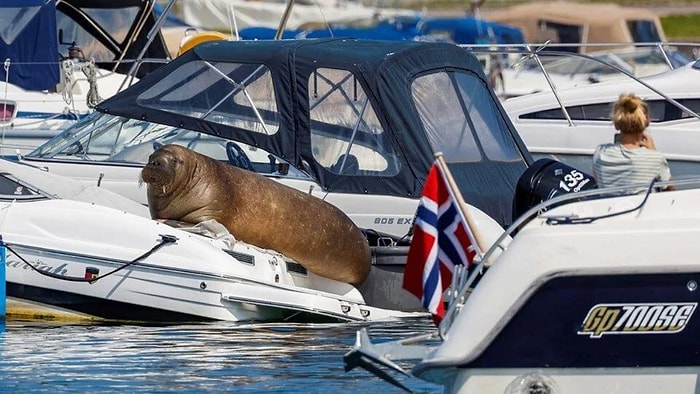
(566, 70)
(594, 291)
(233, 15)
(621, 37)
(64, 56)
(570, 124)
(580, 24)
(458, 30)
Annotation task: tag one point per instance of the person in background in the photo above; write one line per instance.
(633, 158)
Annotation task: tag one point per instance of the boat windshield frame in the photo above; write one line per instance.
(111, 139)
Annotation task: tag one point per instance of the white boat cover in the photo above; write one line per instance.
(221, 14)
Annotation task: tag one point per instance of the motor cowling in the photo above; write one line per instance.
(546, 179)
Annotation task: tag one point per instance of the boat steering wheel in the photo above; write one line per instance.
(237, 157)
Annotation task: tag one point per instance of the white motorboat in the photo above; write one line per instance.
(595, 292)
(566, 70)
(80, 153)
(570, 124)
(346, 104)
(100, 254)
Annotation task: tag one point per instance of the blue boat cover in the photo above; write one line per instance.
(381, 31)
(459, 30)
(29, 40)
(470, 30)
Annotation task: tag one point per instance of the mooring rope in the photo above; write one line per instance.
(93, 97)
(165, 239)
(69, 81)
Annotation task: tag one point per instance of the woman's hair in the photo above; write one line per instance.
(630, 114)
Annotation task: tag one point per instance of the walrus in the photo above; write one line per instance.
(187, 186)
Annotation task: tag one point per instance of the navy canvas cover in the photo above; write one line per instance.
(29, 40)
(198, 91)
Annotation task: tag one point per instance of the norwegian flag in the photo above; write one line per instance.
(441, 240)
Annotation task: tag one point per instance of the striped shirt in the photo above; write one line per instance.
(615, 165)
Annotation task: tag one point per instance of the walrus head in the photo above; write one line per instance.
(177, 184)
(162, 168)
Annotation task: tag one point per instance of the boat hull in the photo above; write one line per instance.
(111, 264)
(142, 293)
(570, 336)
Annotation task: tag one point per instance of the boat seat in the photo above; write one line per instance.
(347, 164)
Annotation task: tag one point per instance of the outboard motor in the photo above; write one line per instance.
(546, 179)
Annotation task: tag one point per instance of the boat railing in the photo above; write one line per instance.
(558, 50)
(464, 280)
(152, 34)
(69, 70)
(573, 49)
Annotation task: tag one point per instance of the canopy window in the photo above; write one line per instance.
(232, 94)
(460, 120)
(643, 31)
(346, 135)
(560, 33)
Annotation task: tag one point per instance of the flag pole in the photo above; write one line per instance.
(480, 245)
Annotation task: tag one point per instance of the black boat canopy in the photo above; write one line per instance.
(360, 116)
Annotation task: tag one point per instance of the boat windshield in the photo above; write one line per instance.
(697, 64)
(114, 22)
(107, 138)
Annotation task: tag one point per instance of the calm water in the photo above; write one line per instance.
(218, 357)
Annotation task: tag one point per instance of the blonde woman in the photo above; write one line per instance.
(633, 159)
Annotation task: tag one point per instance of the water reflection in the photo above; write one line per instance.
(221, 357)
